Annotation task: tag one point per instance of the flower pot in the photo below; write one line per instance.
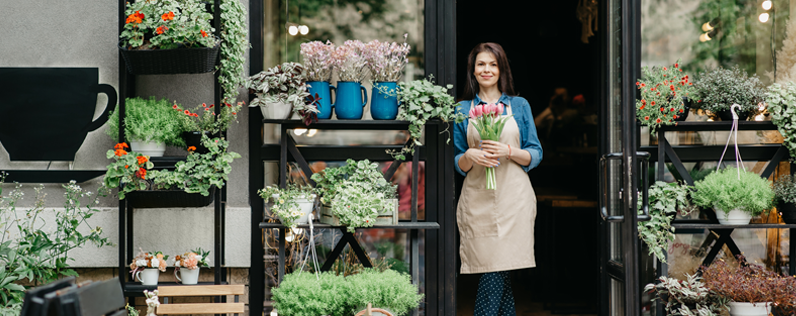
(749, 309)
(170, 61)
(384, 106)
(726, 115)
(168, 198)
(46, 113)
(324, 91)
(305, 206)
(734, 217)
(351, 100)
(151, 149)
(788, 212)
(686, 108)
(148, 276)
(276, 111)
(195, 139)
(189, 276)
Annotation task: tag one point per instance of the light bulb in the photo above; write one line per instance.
(292, 30)
(767, 5)
(759, 117)
(763, 17)
(299, 131)
(706, 27)
(303, 29)
(704, 37)
(312, 132)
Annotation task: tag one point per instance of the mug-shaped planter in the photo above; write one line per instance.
(276, 111)
(148, 276)
(189, 276)
(46, 113)
(734, 217)
(351, 100)
(324, 91)
(384, 106)
(150, 148)
(750, 309)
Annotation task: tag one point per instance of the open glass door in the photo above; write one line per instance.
(622, 168)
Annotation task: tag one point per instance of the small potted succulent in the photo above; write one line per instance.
(292, 205)
(751, 289)
(351, 66)
(280, 90)
(665, 96)
(785, 195)
(687, 298)
(386, 62)
(783, 112)
(149, 124)
(735, 194)
(717, 90)
(317, 57)
(188, 265)
(146, 266)
(203, 120)
(665, 200)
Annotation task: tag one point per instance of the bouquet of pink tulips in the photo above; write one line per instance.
(488, 120)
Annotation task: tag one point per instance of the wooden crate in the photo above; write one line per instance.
(389, 217)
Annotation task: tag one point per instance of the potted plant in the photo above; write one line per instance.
(317, 57)
(149, 124)
(735, 194)
(146, 266)
(203, 120)
(665, 199)
(665, 92)
(421, 101)
(305, 294)
(388, 290)
(292, 205)
(279, 90)
(717, 90)
(751, 288)
(128, 171)
(168, 37)
(351, 66)
(687, 298)
(188, 265)
(785, 197)
(783, 114)
(386, 62)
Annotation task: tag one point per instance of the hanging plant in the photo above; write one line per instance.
(233, 48)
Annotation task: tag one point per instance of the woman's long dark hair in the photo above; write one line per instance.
(505, 80)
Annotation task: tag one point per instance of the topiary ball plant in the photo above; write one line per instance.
(306, 294)
(389, 290)
(723, 190)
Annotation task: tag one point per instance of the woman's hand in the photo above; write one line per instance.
(481, 157)
(495, 150)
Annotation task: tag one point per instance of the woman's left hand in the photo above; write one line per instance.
(498, 150)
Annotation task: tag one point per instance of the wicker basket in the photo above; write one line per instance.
(170, 61)
(168, 198)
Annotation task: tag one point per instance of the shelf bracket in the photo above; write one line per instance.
(348, 238)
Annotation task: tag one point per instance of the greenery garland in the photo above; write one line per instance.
(233, 48)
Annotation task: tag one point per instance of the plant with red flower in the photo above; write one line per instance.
(120, 175)
(181, 24)
(667, 97)
(208, 121)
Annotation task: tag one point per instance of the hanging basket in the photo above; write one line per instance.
(168, 198)
(170, 61)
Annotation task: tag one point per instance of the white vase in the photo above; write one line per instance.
(276, 111)
(187, 276)
(734, 217)
(750, 309)
(305, 206)
(151, 149)
(148, 276)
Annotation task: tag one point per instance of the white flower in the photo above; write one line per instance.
(155, 263)
(177, 263)
(140, 263)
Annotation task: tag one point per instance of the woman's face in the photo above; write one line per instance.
(486, 70)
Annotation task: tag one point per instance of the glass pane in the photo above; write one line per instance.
(616, 297)
(614, 128)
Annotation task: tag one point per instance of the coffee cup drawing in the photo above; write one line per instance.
(46, 113)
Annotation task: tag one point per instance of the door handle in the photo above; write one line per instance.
(604, 196)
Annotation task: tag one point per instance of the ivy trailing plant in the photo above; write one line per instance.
(421, 101)
(233, 48)
(723, 190)
(781, 101)
(199, 172)
(665, 199)
(687, 298)
(328, 181)
(148, 120)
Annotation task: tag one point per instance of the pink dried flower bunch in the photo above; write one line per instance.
(145, 260)
(349, 61)
(386, 60)
(317, 58)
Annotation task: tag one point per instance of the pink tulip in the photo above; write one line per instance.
(479, 110)
(472, 113)
(501, 108)
(491, 109)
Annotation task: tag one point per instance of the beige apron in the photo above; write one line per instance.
(496, 226)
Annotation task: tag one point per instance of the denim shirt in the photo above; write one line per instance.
(522, 114)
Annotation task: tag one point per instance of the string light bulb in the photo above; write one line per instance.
(767, 5)
(707, 27)
(303, 29)
(763, 17)
(704, 37)
(292, 30)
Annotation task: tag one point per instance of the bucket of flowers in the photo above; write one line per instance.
(186, 266)
(146, 266)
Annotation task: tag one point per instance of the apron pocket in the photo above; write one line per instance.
(476, 213)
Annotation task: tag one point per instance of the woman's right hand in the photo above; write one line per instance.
(481, 157)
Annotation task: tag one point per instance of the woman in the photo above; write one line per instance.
(495, 226)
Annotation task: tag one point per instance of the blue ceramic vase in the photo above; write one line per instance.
(324, 91)
(351, 100)
(384, 106)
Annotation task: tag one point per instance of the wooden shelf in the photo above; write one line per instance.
(719, 126)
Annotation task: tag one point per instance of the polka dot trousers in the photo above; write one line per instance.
(495, 297)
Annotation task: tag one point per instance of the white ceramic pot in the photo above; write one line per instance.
(305, 206)
(189, 276)
(151, 149)
(148, 276)
(276, 111)
(750, 309)
(735, 217)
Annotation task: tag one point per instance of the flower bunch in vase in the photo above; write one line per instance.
(351, 65)
(317, 58)
(146, 266)
(386, 62)
(188, 264)
(488, 120)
